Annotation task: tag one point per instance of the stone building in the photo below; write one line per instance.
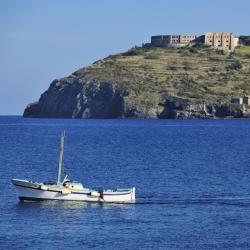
(223, 40)
(237, 100)
(241, 100)
(244, 40)
(246, 100)
(173, 40)
(220, 40)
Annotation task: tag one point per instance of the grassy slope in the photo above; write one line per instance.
(243, 51)
(198, 74)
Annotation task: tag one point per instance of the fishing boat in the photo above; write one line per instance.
(66, 190)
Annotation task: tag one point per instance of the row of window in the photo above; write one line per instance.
(211, 36)
(219, 41)
(219, 45)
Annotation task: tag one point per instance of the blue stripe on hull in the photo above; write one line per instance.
(72, 192)
(21, 198)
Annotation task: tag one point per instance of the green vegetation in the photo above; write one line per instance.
(135, 51)
(199, 74)
(243, 51)
(153, 56)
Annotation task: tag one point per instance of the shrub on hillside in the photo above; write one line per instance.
(152, 56)
(187, 66)
(221, 52)
(235, 66)
(201, 46)
(135, 51)
(172, 67)
(193, 50)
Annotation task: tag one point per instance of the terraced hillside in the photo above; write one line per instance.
(151, 82)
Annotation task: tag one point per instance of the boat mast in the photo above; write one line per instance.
(60, 159)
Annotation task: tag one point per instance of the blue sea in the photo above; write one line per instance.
(192, 180)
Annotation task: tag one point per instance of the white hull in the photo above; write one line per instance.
(124, 196)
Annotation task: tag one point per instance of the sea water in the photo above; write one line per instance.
(192, 180)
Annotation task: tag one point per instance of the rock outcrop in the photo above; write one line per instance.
(76, 99)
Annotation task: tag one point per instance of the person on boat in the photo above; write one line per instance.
(101, 194)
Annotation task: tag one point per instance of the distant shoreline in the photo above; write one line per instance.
(124, 119)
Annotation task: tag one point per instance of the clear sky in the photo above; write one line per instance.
(41, 40)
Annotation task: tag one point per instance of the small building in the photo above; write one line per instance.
(236, 42)
(160, 41)
(244, 40)
(237, 100)
(246, 100)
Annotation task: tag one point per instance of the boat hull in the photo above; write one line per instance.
(30, 193)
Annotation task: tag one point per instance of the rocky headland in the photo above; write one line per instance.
(196, 82)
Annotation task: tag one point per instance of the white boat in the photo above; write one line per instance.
(67, 190)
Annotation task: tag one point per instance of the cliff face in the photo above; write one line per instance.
(149, 83)
(75, 99)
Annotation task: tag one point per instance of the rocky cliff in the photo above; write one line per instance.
(150, 83)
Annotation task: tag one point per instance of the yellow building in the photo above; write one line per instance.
(223, 40)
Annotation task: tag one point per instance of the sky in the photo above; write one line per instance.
(42, 40)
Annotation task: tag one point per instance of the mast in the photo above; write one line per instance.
(60, 159)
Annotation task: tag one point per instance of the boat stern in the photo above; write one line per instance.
(133, 194)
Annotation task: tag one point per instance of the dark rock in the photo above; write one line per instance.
(171, 107)
(227, 110)
(104, 101)
(73, 97)
(76, 99)
(140, 113)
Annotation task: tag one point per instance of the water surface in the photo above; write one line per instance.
(192, 180)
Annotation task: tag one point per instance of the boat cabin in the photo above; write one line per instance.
(73, 185)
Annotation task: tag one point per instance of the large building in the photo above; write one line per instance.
(224, 40)
(173, 40)
(219, 40)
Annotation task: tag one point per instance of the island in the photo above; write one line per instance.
(150, 82)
